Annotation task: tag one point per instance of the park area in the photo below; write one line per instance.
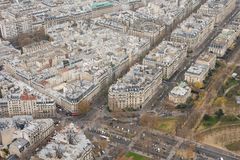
(166, 125)
(229, 93)
(163, 124)
(218, 119)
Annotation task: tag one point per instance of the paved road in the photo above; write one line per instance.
(216, 153)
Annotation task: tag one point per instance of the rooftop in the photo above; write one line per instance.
(197, 69)
(165, 11)
(135, 21)
(14, 122)
(180, 90)
(37, 125)
(225, 36)
(20, 143)
(206, 56)
(16, 89)
(215, 4)
(166, 53)
(192, 26)
(137, 79)
(71, 142)
(97, 5)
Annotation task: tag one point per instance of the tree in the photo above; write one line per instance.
(198, 85)
(103, 144)
(27, 38)
(220, 102)
(188, 105)
(3, 153)
(206, 117)
(40, 35)
(187, 153)
(23, 40)
(219, 113)
(84, 107)
(148, 120)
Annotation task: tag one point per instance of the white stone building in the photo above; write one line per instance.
(219, 9)
(180, 93)
(68, 144)
(193, 31)
(196, 73)
(168, 55)
(135, 88)
(207, 58)
(222, 42)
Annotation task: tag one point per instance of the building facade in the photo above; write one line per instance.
(69, 143)
(168, 55)
(37, 130)
(222, 42)
(20, 99)
(135, 89)
(196, 73)
(180, 93)
(12, 27)
(30, 105)
(193, 31)
(219, 9)
(207, 58)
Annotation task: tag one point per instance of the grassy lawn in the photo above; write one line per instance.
(135, 156)
(233, 146)
(227, 94)
(229, 119)
(211, 121)
(167, 125)
(231, 82)
(220, 101)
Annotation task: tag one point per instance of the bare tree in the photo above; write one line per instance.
(84, 107)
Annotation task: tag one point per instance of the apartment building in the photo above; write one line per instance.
(18, 146)
(193, 31)
(11, 27)
(37, 130)
(19, 133)
(34, 133)
(69, 143)
(234, 24)
(219, 9)
(169, 13)
(26, 104)
(196, 73)
(7, 51)
(135, 88)
(134, 23)
(222, 42)
(207, 58)
(10, 127)
(20, 99)
(168, 55)
(4, 108)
